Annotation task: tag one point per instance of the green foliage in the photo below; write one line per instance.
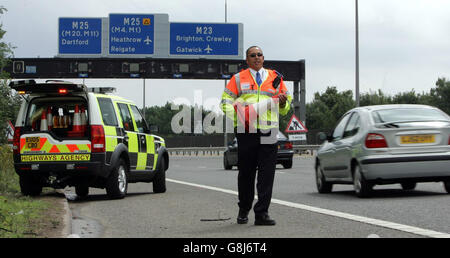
(440, 96)
(17, 213)
(162, 116)
(9, 181)
(18, 216)
(326, 109)
(374, 98)
(407, 98)
(6, 50)
(9, 101)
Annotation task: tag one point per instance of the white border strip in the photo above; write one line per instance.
(375, 222)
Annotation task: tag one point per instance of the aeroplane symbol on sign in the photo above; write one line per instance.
(208, 49)
(148, 40)
(295, 126)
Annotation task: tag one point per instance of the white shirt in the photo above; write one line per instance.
(262, 72)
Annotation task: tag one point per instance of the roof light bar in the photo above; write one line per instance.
(22, 82)
(102, 89)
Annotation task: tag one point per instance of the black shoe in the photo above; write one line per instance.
(264, 220)
(242, 217)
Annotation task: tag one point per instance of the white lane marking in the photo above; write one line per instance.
(366, 220)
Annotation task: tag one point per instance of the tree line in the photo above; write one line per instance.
(325, 110)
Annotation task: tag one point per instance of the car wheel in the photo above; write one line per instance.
(82, 191)
(30, 185)
(409, 186)
(287, 164)
(159, 183)
(225, 163)
(447, 186)
(322, 185)
(117, 183)
(361, 186)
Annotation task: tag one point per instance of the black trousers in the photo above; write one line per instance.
(252, 155)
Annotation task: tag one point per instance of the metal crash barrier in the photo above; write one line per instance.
(218, 151)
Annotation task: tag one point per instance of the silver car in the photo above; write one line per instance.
(385, 144)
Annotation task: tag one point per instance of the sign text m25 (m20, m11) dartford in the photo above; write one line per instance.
(80, 35)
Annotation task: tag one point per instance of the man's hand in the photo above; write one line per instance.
(282, 98)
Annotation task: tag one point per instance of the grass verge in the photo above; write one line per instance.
(21, 216)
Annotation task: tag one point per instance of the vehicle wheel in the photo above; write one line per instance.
(30, 185)
(82, 191)
(287, 164)
(225, 163)
(159, 182)
(322, 185)
(409, 186)
(447, 186)
(117, 183)
(361, 186)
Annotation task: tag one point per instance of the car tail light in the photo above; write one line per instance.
(288, 145)
(374, 140)
(62, 91)
(448, 140)
(98, 138)
(16, 140)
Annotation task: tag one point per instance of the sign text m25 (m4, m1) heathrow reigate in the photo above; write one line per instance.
(131, 34)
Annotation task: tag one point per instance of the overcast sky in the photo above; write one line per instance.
(404, 44)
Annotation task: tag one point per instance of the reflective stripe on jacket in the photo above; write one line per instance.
(242, 88)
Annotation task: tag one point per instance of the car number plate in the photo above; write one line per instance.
(410, 139)
(32, 143)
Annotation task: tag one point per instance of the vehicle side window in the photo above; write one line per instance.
(339, 130)
(107, 110)
(352, 126)
(126, 117)
(140, 121)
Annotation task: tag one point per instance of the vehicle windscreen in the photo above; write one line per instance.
(399, 115)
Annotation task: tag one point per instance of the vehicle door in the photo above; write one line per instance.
(113, 132)
(344, 147)
(330, 164)
(131, 136)
(146, 155)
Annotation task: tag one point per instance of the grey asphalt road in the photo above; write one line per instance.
(201, 202)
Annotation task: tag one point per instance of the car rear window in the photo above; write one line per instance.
(60, 110)
(407, 114)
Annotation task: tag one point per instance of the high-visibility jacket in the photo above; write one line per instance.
(243, 90)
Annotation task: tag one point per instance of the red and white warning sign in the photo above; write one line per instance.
(295, 126)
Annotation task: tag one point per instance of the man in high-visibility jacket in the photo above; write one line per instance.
(253, 100)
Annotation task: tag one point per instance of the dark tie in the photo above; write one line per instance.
(258, 79)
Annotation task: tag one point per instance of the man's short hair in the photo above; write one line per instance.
(248, 49)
